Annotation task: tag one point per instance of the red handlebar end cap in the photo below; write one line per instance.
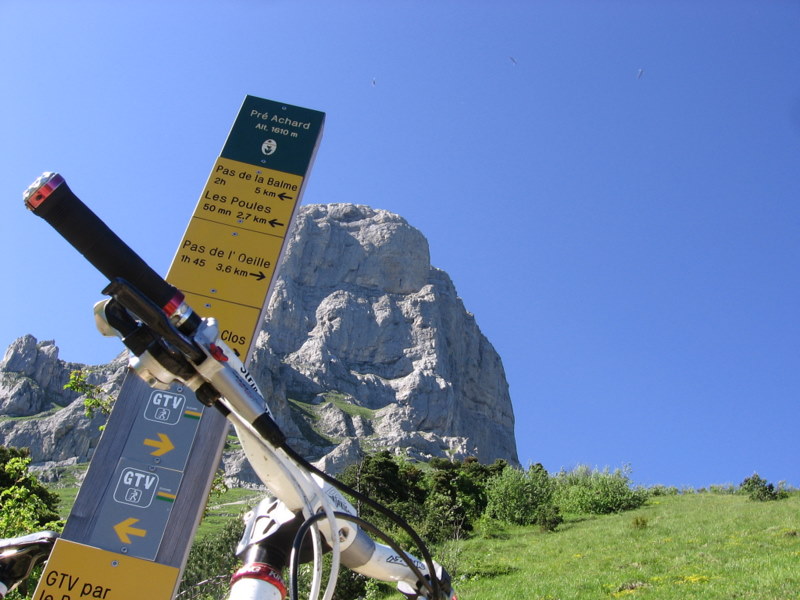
(41, 189)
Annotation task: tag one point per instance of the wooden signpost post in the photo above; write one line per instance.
(130, 530)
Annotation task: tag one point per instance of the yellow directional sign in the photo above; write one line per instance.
(162, 445)
(75, 571)
(126, 528)
(228, 255)
(227, 259)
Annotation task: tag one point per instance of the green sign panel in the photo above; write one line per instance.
(277, 136)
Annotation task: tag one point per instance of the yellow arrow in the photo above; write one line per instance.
(126, 528)
(162, 445)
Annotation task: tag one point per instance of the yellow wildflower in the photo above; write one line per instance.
(694, 579)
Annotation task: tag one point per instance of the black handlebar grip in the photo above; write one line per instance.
(49, 197)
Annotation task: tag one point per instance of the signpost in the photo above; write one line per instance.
(229, 254)
(132, 524)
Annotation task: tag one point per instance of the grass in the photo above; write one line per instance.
(706, 546)
(306, 415)
(66, 488)
(224, 507)
(54, 408)
(354, 410)
(340, 401)
(66, 498)
(694, 545)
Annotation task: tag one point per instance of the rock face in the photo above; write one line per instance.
(53, 425)
(359, 310)
(32, 378)
(365, 346)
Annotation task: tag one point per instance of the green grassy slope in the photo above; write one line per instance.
(694, 545)
(689, 546)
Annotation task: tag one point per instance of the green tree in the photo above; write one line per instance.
(211, 563)
(25, 504)
(441, 500)
(456, 496)
(758, 489)
(94, 398)
(397, 484)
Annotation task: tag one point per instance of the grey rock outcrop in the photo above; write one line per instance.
(62, 436)
(32, 378)
(39, 413)
(365, 346)
(359, 309)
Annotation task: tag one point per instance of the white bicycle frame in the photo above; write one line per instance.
(199, 359)
(296, 488)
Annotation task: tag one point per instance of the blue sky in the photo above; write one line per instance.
(612, 185)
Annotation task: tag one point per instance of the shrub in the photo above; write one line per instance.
(26, 505)
(759, 490)
(211, 563)
(395, 483)
(589, 491)
(518, 497)
(456, 497)
(662, 490)
(95, 400)
(441, 501)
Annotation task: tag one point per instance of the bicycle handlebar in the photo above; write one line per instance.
(50, 198)
(213, 371)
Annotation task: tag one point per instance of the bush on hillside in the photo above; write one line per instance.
(758, 489)
(663, 490)
(26, 505)
(590, 491)
(396, 483)
(455, 497)
(518, 497)
(441, 501)
(211, 563)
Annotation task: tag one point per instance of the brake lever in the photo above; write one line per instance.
(149, 313)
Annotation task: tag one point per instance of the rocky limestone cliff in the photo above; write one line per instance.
(359, 310)
(365, 346)
(32, 378)
(36, 412)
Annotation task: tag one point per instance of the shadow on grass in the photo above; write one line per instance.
(486, 572)
(571, 521)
